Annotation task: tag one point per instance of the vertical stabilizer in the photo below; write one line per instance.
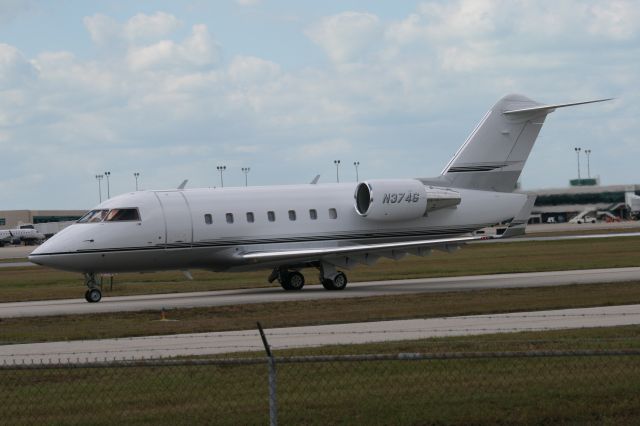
(494, 155)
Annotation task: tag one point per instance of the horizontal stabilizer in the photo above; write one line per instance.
(549, 108)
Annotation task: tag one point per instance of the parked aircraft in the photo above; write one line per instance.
(24, 234)
(323, 226)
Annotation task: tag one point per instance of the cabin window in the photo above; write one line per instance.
(229, 217)
(208, 219)
(292, 215)
(250, 217)
(313, 214)
(121, 215)
(93, 216)
(271, 216)
(333, 214)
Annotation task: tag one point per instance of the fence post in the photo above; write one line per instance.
(273, 394)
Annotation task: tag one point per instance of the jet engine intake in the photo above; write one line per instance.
(391, 200)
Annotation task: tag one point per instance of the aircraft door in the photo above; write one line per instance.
(177, 217)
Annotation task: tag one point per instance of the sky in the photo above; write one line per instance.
(171, 90)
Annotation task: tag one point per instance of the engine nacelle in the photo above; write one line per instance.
(391, 200)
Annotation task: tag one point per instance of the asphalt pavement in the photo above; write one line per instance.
(314, 292)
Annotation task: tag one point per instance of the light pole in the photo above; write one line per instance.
(99, 179)
(356, 164)
(577, 150)
(337, 163)
(136, 175)
(221, 169)
(588, 152)
(107, 174)
(246, 171)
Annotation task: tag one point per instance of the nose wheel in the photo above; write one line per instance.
(93, 293)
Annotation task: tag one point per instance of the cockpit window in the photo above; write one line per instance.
(119, 215)
(93, 216)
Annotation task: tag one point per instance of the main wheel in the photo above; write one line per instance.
(292, 281)
(339, 282)
(93, 295)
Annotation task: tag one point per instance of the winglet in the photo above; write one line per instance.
(315, 180)
(519, 223)
(550, 108)
(183, 184)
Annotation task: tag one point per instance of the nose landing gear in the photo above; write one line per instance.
(93, 293)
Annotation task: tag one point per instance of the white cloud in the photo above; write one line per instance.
(615, 19)
(347, 36)
(103, 29)
(198, 50)
(153, 27)
(15, 69)
(250, 69)
(106, 31)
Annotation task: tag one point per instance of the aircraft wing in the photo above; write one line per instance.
(379, 249)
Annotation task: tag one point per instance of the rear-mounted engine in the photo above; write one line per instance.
(402, 199)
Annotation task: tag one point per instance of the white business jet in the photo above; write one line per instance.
(323, 226)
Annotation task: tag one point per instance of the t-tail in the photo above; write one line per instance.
(494, 155)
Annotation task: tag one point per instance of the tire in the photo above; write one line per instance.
(93, 295)
(292, 281)
(339, 282)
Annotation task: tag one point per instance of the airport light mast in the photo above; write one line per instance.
(337, 163)
(99, 179)
(246, 171)
(577, 150)
(356, 164)
(221, 169)
(136, 175)
(107, 174)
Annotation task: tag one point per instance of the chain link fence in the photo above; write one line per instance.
(451, 388)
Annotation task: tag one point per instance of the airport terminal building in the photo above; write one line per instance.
(13, 218)
(605, 203)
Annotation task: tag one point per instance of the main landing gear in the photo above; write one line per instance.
(93, 293)
(330, 278)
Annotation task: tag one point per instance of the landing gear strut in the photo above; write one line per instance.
(332, 279)
(289, 280)
(93, 293)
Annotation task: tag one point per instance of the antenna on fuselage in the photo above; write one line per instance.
(315, 180)
(183, 184)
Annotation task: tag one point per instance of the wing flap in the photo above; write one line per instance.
(381, 249)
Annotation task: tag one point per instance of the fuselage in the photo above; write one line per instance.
(211, 228)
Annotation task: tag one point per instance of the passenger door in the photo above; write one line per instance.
(177, 217)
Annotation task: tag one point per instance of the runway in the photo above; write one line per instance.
(313, 336)
(314, 292)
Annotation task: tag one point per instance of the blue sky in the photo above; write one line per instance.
(173, 89)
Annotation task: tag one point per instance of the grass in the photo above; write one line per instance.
(21, 284)
(567, 390)
(290, 314)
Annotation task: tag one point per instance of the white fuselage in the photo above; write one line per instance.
(211, 228)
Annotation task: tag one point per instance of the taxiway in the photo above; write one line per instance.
(313, 336)
(314, 292)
